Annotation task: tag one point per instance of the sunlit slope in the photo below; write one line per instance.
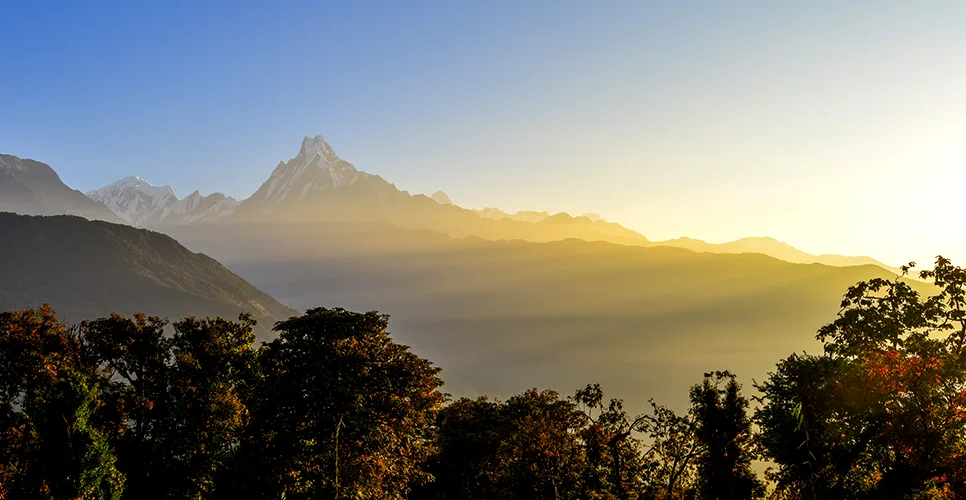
(773, 248)
(503, 316)
(373, 200)
(87, 269)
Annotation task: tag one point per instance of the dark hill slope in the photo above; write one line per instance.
(33, 188)
(87, 269)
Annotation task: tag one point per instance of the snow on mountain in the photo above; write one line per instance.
(315, 169)
(134, 199)
(141, 203)
(196, 207)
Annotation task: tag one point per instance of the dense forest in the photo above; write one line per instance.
(136, 408)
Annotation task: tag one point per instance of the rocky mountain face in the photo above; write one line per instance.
(315, 176)
(316, 186)
(140, 203)
(34, 188)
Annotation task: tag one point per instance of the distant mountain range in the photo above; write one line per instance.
(88, 269)
(776, 249)
(318, 186)
(140, 203)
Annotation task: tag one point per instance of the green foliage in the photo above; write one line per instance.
(337, 374)
(468, 433)
(723, 429)
(540, 458)
(528, 447)
(212, 361)
(79, 461)
(669, 458)
(132, 359)
(883, 413)
(537, 445)
(615, 464)
(51, 448)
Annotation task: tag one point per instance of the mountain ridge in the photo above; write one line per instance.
(88, 269)
(774, 248)
(34, 188)
(141, 203)
(318, 186)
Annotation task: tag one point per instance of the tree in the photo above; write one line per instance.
(615, 466)
(131, 359)
(541, 457)
(723, 429)
(339, 410)
(173, 403)
(464, 467)
(208, 377)
(670, 454)
(817, 426)
(528, 447)
(50, 446)
(77, 459)
(894, 408)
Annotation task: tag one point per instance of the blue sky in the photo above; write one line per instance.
(834, 126)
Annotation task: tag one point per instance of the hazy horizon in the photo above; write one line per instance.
(829, 127)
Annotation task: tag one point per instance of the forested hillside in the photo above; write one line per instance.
(88, 269)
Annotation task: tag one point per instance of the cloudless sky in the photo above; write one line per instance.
(835, 126)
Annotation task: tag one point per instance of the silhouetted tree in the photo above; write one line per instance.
(339, 410)
(816, 426)
(528, 447)
(541, 458)
(615, 467)
(898, 361)
(670, 454)
(468, 434)
(723, 429)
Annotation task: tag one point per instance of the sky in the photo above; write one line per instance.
(838, 127)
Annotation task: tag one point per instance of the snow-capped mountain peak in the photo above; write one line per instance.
(315, 177)
(314, 146)
(134, 199)
(159, 194)
(315, 168)
(141, 203)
